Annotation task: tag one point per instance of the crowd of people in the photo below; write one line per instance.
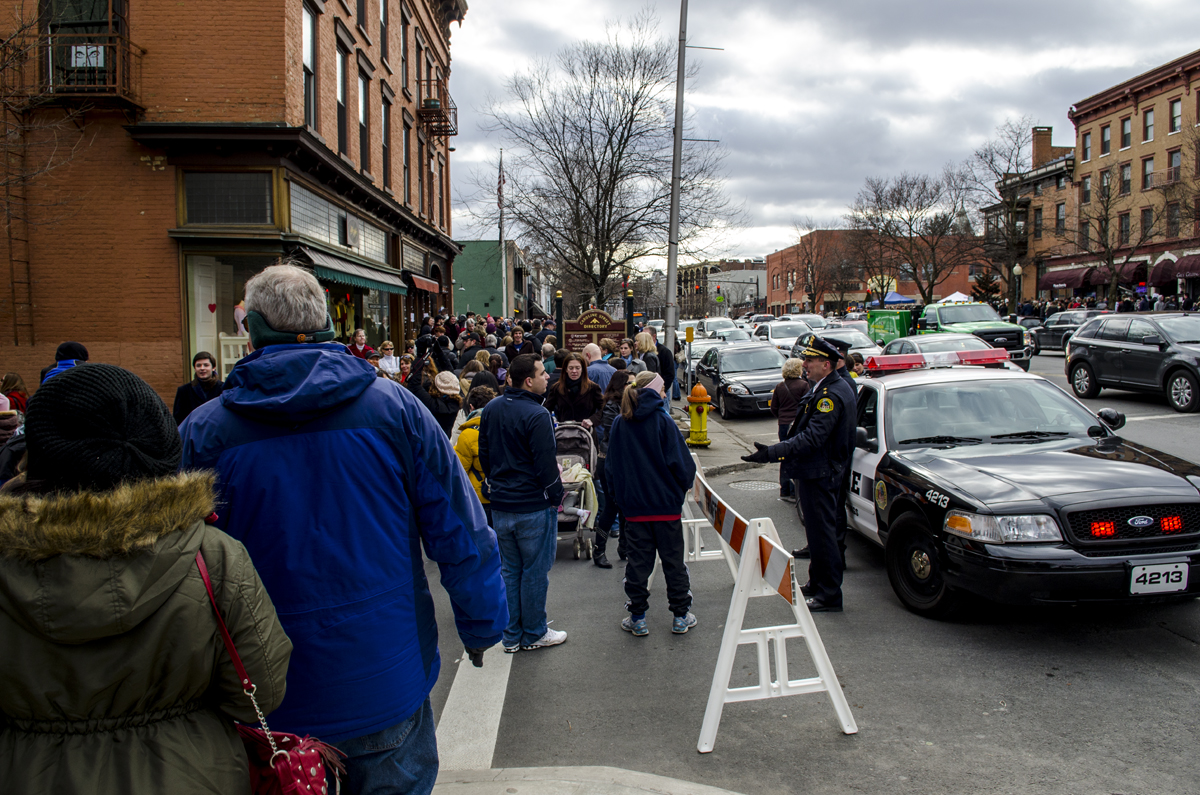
(115, 510)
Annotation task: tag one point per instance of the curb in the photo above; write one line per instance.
(726, 469)
(558, 780)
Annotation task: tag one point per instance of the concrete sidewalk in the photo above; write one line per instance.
(565, 781)
(727, 448)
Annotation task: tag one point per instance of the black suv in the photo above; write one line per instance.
(1157, 353)
(1058, 328)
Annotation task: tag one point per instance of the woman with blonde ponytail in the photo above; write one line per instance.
(648, 472)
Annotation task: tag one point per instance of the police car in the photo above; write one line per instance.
(995, 482)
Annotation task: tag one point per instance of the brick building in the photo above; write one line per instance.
(208, 145)
(824, 272)
(1136, 175)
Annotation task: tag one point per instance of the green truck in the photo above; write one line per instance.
(965, 317)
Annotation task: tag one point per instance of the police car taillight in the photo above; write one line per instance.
(880, 365)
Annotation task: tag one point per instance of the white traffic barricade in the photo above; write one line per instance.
(765, 568)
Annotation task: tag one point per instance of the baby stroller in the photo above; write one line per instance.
(575, 445)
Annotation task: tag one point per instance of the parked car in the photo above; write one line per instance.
(698, 348)
(1031, 325)
(854, 316)
(935, 343)
(657, 325)
(859, 342)
(815, 322)
(1142, 353)
(740, 377)
(782, 333)
(732, 335)
(996, 483)
(758, 320)
(710, 325)
(1058, 328)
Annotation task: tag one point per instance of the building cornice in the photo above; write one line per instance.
(303, 152)
(1178, 72)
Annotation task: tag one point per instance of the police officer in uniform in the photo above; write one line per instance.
(843, 370)
(816, 454)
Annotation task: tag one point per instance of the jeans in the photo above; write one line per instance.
(643, 540)
(527, 543)
(401, 758)
(674, 389)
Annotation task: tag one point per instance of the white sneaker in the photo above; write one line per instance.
(552, 638)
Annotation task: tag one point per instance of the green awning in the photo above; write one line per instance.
(336, 269)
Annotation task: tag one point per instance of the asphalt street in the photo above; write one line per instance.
(1000, 700)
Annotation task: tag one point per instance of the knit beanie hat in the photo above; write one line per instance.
(70, 350)
(96, 426)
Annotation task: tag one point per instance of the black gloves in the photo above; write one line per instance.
(761, 454)
(476, 656)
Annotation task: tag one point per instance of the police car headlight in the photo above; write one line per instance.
(1002, 529)
(738, 389)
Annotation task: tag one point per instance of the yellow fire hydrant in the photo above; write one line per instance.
(698, 410)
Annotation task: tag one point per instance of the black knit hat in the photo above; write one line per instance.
(71, 350)
(96, 426)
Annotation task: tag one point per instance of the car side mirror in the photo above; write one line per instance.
(880, 342)
(1152, 339)
(1112, 418)
(1096, 432)
(1012, 318)
(922, 324)
(864, 442)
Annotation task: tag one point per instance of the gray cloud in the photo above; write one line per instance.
(865, 120)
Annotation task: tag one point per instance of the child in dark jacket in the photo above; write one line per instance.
(648, 471)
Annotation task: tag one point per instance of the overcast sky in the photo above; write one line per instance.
(810, 98)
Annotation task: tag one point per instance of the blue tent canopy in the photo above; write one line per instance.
(896, 298)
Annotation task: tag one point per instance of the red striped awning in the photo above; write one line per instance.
(421, 283)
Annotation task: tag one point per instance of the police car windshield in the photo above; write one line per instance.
(968, 313)
(745, 361)
(952, 344)
(994, 411)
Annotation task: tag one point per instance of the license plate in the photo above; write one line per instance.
(1159, 578)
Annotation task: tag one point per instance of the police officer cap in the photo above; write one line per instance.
(842, 346)
(819, 348)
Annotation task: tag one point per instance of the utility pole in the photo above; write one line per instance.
(503, 248)
(672, 319)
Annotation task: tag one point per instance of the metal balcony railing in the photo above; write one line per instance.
(90, 66)
(436, 111)
(1161, 179)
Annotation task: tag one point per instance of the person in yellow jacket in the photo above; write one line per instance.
(467, 446)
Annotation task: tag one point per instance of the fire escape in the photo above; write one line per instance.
(64, 66)
(436, 112)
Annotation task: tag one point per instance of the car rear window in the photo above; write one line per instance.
(1114, 330)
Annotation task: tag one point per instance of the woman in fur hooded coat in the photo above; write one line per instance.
(113, 677)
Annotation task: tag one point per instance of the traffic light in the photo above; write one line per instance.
(718, 289)
(697, 288)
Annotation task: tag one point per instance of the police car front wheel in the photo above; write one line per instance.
(915, 570)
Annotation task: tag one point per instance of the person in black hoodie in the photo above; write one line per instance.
(519, 345)
(201, 389)
(648, 471)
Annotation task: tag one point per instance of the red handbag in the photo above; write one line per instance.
(280, 763)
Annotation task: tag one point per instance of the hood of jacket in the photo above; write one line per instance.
(472, 421)
(104, 561)
(294, 384)
(649, 402)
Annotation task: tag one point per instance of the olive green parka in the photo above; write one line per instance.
(113, 677)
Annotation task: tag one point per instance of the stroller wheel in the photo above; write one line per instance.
(577, 545)
(587, 554)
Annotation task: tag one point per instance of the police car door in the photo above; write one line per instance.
(864, 462)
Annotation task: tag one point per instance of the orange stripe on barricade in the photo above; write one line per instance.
(776, 566)
(737, 535)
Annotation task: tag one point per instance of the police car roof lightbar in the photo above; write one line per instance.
(881, 365)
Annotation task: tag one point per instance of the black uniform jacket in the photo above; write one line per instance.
(820, 440)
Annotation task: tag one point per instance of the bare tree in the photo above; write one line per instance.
(845, 273)
(914, 220)
(994, 181)
(588, 141)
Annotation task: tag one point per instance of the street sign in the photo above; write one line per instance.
(720, 299)
(689, 334)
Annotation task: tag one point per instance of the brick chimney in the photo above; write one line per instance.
(1043, 150)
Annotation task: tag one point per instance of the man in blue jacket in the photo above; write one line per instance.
(298, 424)
(517, 451)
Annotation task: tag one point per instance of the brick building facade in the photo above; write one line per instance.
(209, 144)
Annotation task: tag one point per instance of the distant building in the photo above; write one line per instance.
(743, 290)
(480, 289)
